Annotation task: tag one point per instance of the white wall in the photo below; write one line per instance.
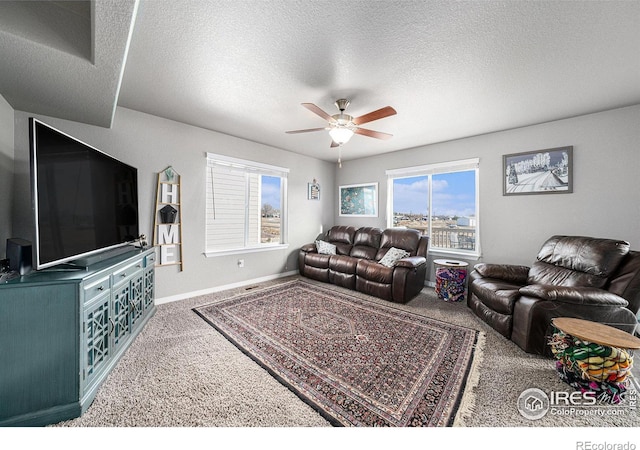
(605, 201)
(151, 144)
(6, 172)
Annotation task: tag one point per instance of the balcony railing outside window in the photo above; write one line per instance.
(461, 239)
(445, 236)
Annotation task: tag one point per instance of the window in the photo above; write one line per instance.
(246, 206)
(439, 200)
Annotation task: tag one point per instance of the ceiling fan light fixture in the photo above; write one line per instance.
(342, 126)
(340, 135)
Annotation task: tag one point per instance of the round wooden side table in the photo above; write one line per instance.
(593, 357)
(451, 279)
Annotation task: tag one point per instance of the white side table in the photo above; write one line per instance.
(451, 279)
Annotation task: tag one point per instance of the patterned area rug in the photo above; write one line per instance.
(358, 362)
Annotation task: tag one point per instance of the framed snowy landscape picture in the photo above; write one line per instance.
(539, 172)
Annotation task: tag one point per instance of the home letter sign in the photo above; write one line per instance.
(167, 229)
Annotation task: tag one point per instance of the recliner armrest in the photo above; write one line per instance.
(308, 248)
(507, 272)
(577, 295)
(411, 262)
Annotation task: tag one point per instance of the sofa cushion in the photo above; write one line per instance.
(497, 295)
(341, 234)
(502, 323)
(507, 272)
(380, 290)
(342, 238)
(366, 242)
(317, 260)
(344, 280)
(367, 236)
(392, 256)
(577, 261)
(325, 248)
(372, 271)
(577, 295)
(317, 273)
(362, 252)
(544, 273)
(343, 264)
(402, 238)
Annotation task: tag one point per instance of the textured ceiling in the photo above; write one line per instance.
(58, 62)
(450, 69)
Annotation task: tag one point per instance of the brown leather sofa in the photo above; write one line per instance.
(573, 276)
(356, 262)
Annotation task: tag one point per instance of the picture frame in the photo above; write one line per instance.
(313, 191)
(547, 171)
(358, 200)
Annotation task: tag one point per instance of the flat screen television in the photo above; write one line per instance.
(85, 201)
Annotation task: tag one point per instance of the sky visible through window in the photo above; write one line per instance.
(271, 191)
(454, 194)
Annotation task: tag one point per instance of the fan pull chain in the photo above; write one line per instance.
(340, 157)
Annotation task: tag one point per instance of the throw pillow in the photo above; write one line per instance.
(325, 248)
(392, 257)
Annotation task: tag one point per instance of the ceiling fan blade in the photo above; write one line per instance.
(375, 115)
(314, 109)
(371, 133)
(305, 131)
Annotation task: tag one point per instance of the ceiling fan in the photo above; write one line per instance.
(342, 126)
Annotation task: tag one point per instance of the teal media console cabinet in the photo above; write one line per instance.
(62, 331)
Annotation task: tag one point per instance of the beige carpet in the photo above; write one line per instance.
(180, 372)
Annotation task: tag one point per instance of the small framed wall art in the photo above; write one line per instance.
(313, 190)
(548, 171)
(359, 200)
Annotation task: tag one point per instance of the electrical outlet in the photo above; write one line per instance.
(241, 263)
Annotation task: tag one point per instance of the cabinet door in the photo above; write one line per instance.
(148, 288)
(149, 280)
(128, 299)
(136, 298)
(97, 325)
(120, 311)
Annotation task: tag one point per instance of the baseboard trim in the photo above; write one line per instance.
(44, 417)
(175, 298)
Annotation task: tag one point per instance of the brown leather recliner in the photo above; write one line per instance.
(573, 276)
(356, 262)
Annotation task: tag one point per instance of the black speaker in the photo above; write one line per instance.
(19, 255)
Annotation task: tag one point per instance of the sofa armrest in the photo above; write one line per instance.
(577, 295)
(411, 262)
(506, 272)
(309, 248)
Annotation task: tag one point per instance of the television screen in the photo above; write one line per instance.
(85, 201)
